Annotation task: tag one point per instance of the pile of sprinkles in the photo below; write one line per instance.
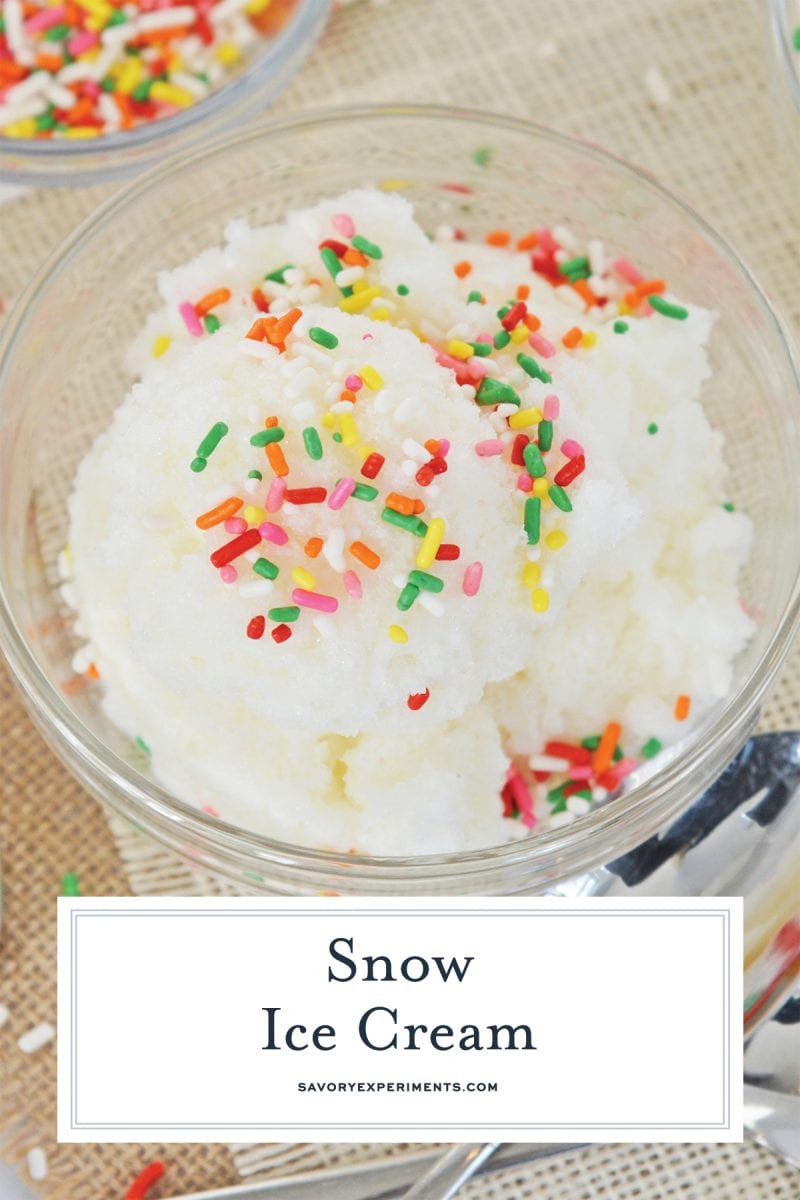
(82, 68)
(274, 567)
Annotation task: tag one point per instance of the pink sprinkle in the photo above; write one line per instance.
(235, 525)
(190, 319)
(343, 224)
(542, 345)
(367, 337)
(45, 19)
(212, 812)
(571, 448)
(489, 447)
(580, 773)
(625, 766)
(444, 447)
(522, 797)
(524, 481)
(472, 579)
(228, 574)
(354, 383)
(478, 367)
(551, 408)
(352, 585)
(625, 268)
(273, 533)
(459, 368)
(344, 488)
(275, 494)
(90, 88)
(82, 41)
(546, 240)
(483, 337)
(326, 604)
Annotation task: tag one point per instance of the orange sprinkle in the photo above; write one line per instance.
(463, 268)
(313, 546)
(363, 553)
(604, 754)
(354, 258)
(531, 322)
(77, 114)
(215, 516)
(650, 287)
(92, 671)
(11, 72)
(682, 706)
(572, 337)
(346, 394)
(123, 103)
(400, 503)
(432, 446)
(523, 291)
(258, 330)
(498, 237)
(585, 292)
(47, 62)
(277, 459)
(154, 36)
(528, 241)
(270, 422)
(260, 300)
(212, 300)
(284, 325)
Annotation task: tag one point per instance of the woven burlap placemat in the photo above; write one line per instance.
(679, 87)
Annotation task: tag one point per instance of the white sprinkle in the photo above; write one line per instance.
(341, 406)
(547, 762)
(227, 8)
(596, 256)
(106, 107)
(251, 486)
(459, 332)
(413, 450)
(323, 626)
(35, 1038)
(409, 467)
(431, 603)
(310, 293)
(294, 275)
(254, 349)
(565, 236)
(64, 564)
(445, 233)
(68, 595)
(190, 83)
(253, 556)
(4, 1015)
(304, 411)
(164, 18)
(348, 275)
(599, 794)
(37, 1163)
(301, 383)
(25, 108)
(256, 587)
(32, 86)
(407, 409)
(81, 659)
(506, 410)
(658, 87)
(333, 548)
(15, 34)
(578, 805)
(562, 818)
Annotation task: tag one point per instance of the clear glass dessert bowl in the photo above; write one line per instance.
(784, 20)
(265, 70)
(62, 375)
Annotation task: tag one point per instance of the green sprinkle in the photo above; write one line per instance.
(501, 339)
(430, 583)
(493, 391)
(284, 615)
(559, 498)
(591, 743)
(265, 568)
(323, 337)
(364, 491)
(141, 93)
(211, 322)
(366, 247)
(108, 84)
(312, 443)
(337, 437)
(503, 312)
(618, 754)
(534, 463)
(402, 289)
(210, 442)
(265, 436)
(532, 368)
(407, 597)
(651, 748)
(796, 38)
(279, 274)
(578, 266)
(652, 427)
(118, 17)
(142, 744)
(545, 435)
(729, 507)
(481, 349)
(45, 121)
(620, 327)
(411, 523)
(556, 796)
(475, 298)
(57, 33)
(254, 475)
(676, 311)
(198, 464)
(533, 519)
(333, 267)
(70, 885)
(482, 156)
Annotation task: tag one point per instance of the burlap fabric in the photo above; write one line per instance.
(585, 66)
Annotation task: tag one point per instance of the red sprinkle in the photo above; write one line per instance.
(425, 475)
(372, 465)
(255, 628)
(509, 807)
(260, 300)
(514, 315)
(309, 495)
(281, 633)
(231, 550)
(448, 552)
(579, 756)
(144, 1181)
(338, 248)
(570, 470)
(417, 699)
(438, 465)
(519, 444)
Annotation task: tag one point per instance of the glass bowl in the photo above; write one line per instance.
(247, 92)
(784, 19)
(61, 376)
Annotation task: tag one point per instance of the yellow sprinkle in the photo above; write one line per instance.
(624, 309)
(348, 429)
(371, 378)
(589, 338)
(394, 185)
(531, 574)
(398, 634)
(556, 539)
(524, 417)
(24, 128)
(381, 314)
(430, 544)
(257, 6)
(227, 53)
(365, 451)
(540, 488)
(170, 93)
(328, 420)
(253, 514)
(360, 285)
(359, 300)
(540, 599)
(519, 333)
(458, 349)
(131, 75)
(81, 131)
(304, 578)
(161, 345)
(98, 8)
(95, 24)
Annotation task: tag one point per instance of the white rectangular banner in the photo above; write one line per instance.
(202, 1020)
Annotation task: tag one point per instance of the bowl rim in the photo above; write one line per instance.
(785, 52)
(643, 808)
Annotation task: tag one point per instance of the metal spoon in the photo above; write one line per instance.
(448, 1173)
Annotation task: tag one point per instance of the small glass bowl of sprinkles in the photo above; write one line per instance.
(784, 18)
(62, 373)
(93, 90)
